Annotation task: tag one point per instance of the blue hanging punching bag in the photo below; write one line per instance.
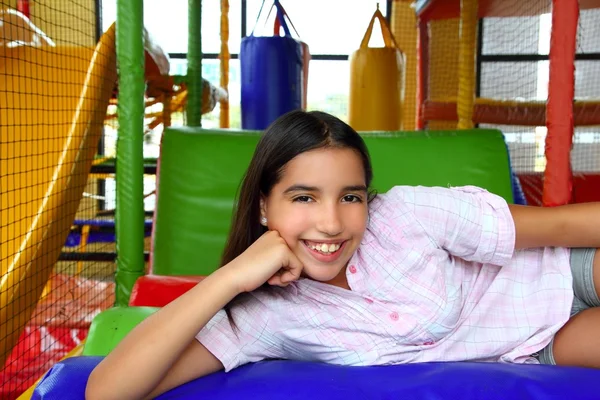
(271, 75)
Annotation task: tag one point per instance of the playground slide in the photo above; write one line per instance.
(53, 101)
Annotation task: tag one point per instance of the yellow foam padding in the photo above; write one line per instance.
(443, 59)
(466, 63)
(52, 106)
(404, 28)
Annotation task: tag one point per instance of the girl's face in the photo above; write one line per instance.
(319, 207)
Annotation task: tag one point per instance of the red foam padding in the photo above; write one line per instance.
(586, 187)
(158, 290)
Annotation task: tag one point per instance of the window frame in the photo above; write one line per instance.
(101, 185)
(244, 30)
(489, 58)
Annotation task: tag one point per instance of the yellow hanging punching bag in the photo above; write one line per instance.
(376, 82)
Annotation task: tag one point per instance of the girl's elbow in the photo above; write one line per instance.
(97, 387)
(93, 391)
(102, 387)
(92, 394)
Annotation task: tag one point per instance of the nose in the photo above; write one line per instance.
(330, 221)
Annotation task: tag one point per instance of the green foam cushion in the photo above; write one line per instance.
(201, 170)
(109, 327)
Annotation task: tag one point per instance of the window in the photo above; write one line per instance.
(333, 29)
(169, 25)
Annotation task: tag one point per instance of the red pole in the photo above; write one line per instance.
(558, 176)
(23, 7)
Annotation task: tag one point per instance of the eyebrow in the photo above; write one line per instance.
(306, 188)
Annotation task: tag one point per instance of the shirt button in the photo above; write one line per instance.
(368, 300)
(352, 269)
(394, 316)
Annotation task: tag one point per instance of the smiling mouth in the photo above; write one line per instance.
(325, 252)
(325, 248)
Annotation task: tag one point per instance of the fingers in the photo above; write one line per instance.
(295, 265)
(284, 277)
(292, 274)
(276, 280)
(290, 269)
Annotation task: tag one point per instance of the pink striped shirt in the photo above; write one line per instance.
(436, 278)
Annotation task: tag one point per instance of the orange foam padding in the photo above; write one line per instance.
(585, 113)
(446, 9)
(558, 183)
(159, 290)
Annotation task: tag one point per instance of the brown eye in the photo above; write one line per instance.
(351, 198)
(302, 199)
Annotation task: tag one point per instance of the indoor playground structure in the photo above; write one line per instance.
(45, 171)
(430, 121)
(448, 90)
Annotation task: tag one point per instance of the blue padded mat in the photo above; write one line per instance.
(293, 380)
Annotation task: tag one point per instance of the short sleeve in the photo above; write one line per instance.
(252, 341)
(468, 222)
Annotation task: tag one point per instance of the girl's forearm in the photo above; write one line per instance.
(581, 224)
(573, 225)
(144, 356)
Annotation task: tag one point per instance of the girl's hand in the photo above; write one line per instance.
(269, 259)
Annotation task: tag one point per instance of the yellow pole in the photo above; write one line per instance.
(404, 22)
(466, 63)
(85, 234)
(224, 56)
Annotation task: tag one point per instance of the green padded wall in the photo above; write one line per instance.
(201, 170)
(110, 327)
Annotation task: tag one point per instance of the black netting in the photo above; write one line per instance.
(52, 225)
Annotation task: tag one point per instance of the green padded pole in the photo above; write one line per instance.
(130, 165)
(194, 68)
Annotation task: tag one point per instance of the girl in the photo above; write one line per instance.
(318, 268)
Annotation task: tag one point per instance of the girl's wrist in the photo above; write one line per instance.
(227, 278)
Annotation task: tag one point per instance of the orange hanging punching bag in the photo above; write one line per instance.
(376, 82)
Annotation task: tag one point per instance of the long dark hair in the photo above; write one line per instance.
(289, 136)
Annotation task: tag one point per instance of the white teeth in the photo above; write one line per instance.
(325, 248)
